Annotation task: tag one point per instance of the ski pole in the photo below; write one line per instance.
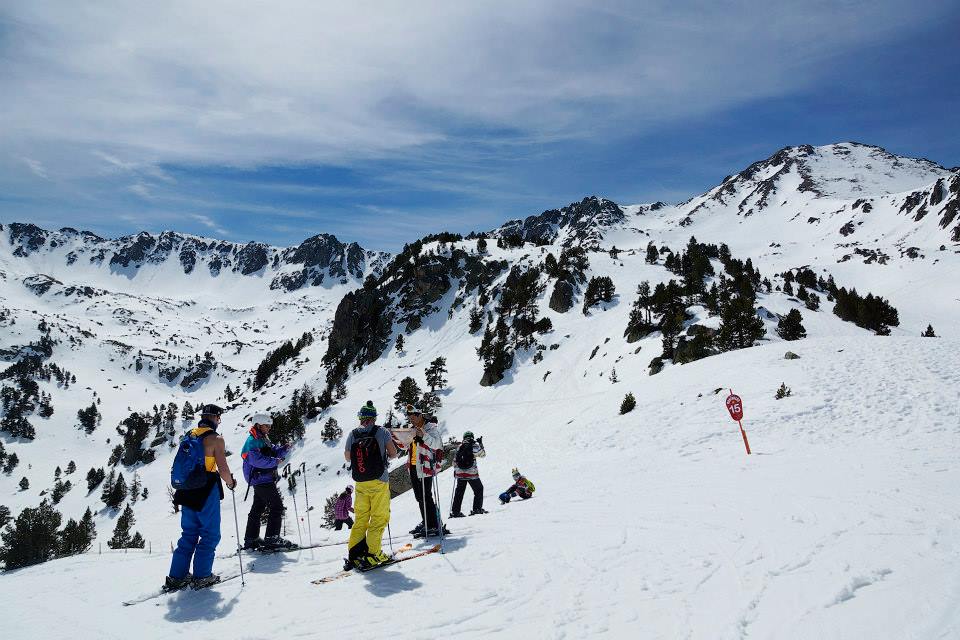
(292, 485)
(453, 493)
(236, 523)
(390, 538)
(436, 489)
(423, 504)
(306, 493)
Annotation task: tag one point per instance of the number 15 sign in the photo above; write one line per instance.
(735, 407)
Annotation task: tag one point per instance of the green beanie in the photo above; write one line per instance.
(367, 411)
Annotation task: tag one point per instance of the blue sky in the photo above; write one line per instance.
(382, 122)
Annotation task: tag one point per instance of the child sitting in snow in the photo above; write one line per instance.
(520, 487)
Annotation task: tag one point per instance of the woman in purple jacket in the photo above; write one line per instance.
(342, 508)
(260, 461)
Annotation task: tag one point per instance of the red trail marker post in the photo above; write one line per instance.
(735, 407)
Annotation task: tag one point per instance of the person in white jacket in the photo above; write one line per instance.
(424, 464)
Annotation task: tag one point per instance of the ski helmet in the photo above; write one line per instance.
(468, 435)
(262, 418)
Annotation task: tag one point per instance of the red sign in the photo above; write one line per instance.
(735, 407)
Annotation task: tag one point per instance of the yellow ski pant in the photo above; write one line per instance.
(372, 510)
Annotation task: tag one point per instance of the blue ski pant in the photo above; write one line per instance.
(201, 534)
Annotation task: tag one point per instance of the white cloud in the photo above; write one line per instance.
(248, 84)
(141, 189)
(36, 167)
(210, 223)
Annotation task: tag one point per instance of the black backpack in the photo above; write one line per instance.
(465, 458)
(366, 459)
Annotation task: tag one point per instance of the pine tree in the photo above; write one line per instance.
(481, 246)
(399, 345)
(331, 431)
(613, 376)
(407, 393)
(89, 418)
(135, 488)
(790, 326)
(188, 412)
(929, 332)
(329, 515)
(629, 404)
(24, 483)
(77, 537)
(783, 392)
(57, 473)
(4, 515)
(32, 538)
(476, 319)
(435, 374)
(71, 467)
(652, 254)
(430, 402)
(134, 430)
(740, 326)
(121, 533)
(117, 493)
(94, 478)
(12, 461)
(60, 488)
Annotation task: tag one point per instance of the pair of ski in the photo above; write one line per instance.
(160, 592)
(398, 556)
(267, 552)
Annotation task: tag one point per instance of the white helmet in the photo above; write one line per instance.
(262, 418)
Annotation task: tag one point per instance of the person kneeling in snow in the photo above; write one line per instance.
(342, 508)
(260, 461)
(520, 487)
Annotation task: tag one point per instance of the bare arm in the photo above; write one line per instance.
(220, 455)
(391, 449)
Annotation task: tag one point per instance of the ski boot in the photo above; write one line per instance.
(458, 514)
(253, 545)
(477, 512)
(417, 531)
(374, 560)
(434, 532)
(176, 584)
(203, 583)
(276, 543)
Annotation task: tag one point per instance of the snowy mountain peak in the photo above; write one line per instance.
(316, 260)
(800, 174)
(579, 223)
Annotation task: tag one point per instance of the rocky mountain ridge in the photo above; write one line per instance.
(315, 260)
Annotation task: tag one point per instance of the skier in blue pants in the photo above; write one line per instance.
(200, 511)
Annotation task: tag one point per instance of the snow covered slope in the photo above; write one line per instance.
(652, 524)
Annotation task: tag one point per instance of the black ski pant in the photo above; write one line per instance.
(424, 493)
(266, 497)
(461, 489)
(338, 524)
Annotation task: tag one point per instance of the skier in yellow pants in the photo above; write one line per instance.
(368, 447)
